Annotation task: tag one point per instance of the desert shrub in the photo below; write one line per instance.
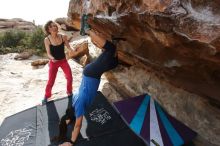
(12, 38)
(17, 41)
(36, 40)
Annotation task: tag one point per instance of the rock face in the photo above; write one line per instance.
(179, 40)
(81, 55)
(16, 23)
(63, 22)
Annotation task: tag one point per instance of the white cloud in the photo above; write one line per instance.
(38, 10)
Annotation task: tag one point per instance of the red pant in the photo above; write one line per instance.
(53, 68)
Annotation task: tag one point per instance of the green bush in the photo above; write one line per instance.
(12, 38)
(36, 40)
(19, 41)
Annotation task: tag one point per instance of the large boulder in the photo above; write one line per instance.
(80, 54)
(178, 40)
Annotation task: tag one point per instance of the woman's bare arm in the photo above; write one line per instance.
(47, 46)
(66, 42)
(77, 127)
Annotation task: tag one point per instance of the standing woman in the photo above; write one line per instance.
(54, 44)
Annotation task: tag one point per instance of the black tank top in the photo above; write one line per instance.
(57, 51)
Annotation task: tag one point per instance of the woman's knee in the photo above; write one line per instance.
(97, 39)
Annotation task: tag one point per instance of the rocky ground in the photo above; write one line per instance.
(22, 86)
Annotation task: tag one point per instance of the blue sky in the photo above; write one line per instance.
(38, 10)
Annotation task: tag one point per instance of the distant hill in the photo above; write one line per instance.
(16, 23)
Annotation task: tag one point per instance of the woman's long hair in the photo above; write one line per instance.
(70, 115)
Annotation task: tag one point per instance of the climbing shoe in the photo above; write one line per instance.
(44, 101)
(85, 27)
